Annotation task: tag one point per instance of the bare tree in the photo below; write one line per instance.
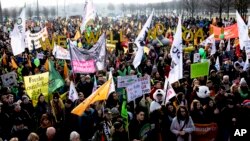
(45, 12)
(242, 6)
(53, 11)
(191, 6)
(216, 5)
(6, 12)
(111, 7)
(29, 12)
(13, 13)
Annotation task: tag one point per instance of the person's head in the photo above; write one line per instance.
(41, 98)
(182, 113)
(108, 114)
(213, 73)
(81, 96)
(196, 82)
(140, 114)
(230, 103)
(17, 107)
(240, 59)
(14, 139)
(118, 127)
(157, 75)
(87, 78)
(195, 105)
(10, 98)
(211, 103)
(170, 108)
(25, 99)
(225, 79)
(74, 136)
(50, 132)
(158, 84)
(33, 137)
(180, 96)
(56, 98)
(115, 96)
(209, 83)
(45, 121)
(149, 63)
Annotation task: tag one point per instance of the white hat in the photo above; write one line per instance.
(242, 81)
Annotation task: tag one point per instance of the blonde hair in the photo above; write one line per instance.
(33, 137)
(14, 139)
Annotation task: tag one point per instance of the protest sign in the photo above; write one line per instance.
(36, 85)
(247, 48)
(199, 69)
(84, 66)
(35, 37)
(205, 132)
(134, 91)
(40, 55)
(61, 53)
(145, 84)
(124, 81)
(9, 79)
(197, 57)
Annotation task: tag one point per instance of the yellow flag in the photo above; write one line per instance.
(77, 35)
(13, 63)
(65, 70)
(100, 94)
(4, 59)
(46, 65)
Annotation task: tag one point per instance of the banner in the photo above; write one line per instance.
(242, 29)
(73, 95)
(134, 91)
(30, 37)
(205, 132)
(197, 57)
(145, 84)
(176, 71)
(229, 32)
(86, 61)
(9, 79)
(40, 55)
(247, 48)
(61, 53)
(124, 81)
(18, 34)
(36, 85)
(199, 69)
(140, 41)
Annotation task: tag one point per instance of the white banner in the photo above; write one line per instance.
(133, 91)
(197, 57)
(170, 93)
(9, 79)
(145, 84)
(140, 41)
(100, 60)
(35, 37)
(124, 81)
(176, 71)
(73, 95)
(18, 34)
(40, 55)
(61, 53)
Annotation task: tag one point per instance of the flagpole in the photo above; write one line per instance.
(70, 52)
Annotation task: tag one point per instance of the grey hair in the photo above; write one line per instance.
(73, 135)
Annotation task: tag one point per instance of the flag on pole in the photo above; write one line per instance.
(77, 35)
(112, 85)
(228, 45)
(55, 79)
(100, 94)
(124, 112)
(140, 41)
(242, 29)
(46, 65)
(13, 63)
(210, 40)
(170, 93)
(73, 95)
(89, 13)
(246, 65)
(18, 35)
(176, 71)
(65, 70)
(217, 64)
(95, 85)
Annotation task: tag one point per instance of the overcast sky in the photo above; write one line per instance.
(20, 3)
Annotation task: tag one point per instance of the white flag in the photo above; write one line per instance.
(18, 35)
(72, 92)
(228, 45)
(112, 85)
(170, 93)
(242, 29)
(176, 71)
(210, 40)
(246, 65)
(89, 13)
(248, 23)
(140, 41)
(217, 64)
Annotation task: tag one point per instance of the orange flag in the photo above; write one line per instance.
(29, 62)
(65, 70)
(13, 63)
(46, 65)
(100, 94)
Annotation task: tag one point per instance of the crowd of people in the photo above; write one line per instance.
(51, 120)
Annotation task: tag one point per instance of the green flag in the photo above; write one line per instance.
(55, 79)
(124, 112)
(199, 69)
